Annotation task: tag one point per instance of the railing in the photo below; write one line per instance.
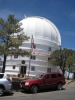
(41, 52)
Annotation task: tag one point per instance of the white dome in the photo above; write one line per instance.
(42, 28)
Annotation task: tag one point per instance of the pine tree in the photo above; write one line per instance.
(11, 37)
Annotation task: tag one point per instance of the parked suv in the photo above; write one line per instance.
(5, 83)
(43, 81)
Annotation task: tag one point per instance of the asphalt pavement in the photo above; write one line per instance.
(68, 93)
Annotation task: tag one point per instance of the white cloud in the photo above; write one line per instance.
(69, 33)
(71, 15)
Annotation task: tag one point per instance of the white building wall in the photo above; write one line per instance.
(38, 70)
(40, 63)
(10, 70)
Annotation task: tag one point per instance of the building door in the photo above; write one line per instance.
(23, 70)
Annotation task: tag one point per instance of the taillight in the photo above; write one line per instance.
(8, 79)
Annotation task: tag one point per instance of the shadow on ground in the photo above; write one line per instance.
(8, 93)
(43, 91)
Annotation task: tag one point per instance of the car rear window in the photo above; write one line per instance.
(1, 76)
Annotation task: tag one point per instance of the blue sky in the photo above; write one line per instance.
(60, 12)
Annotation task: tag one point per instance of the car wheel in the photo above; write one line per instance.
(34, 89)
(1, 91)
(59, 86)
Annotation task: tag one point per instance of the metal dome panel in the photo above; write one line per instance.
(41, 27)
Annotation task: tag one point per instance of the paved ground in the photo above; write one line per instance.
(69, 83)
(68, 93)
(68, 87)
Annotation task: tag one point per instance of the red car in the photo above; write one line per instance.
(43, 81)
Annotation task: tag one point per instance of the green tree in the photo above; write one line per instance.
(56, 58)
(0, 69)
(65, 54)
(11, 37)
(70, 63)
(59, 57)
(1, 62)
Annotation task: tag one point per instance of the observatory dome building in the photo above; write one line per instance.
(46, 38)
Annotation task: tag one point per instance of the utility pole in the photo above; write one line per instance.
(31, 51)
(29, 66)
(30, 55)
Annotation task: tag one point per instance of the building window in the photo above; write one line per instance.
(34, 46)
(49, 49)
(14, 66)
(33, 57)
(49, 58)
(15, 56)
(48, 69)
(32, 68)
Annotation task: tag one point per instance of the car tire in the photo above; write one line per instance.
(1, 91)
(34, 89)
(59, 86)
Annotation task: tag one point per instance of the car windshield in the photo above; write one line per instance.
(38, 76)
